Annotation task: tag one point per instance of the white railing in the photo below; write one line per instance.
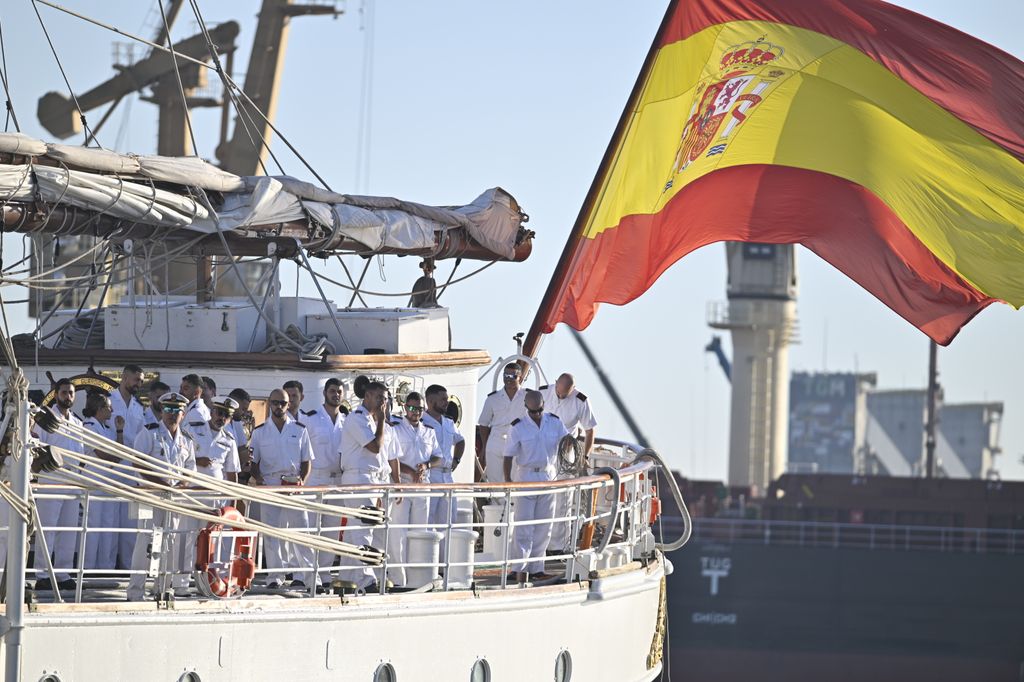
(856, 535)
(620, 515)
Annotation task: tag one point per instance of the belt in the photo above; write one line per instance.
(536, 470)
(443, 470)
(362, 470)
(321, 472)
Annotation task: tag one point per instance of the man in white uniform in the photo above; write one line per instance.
(324, 425)
(58, 513)
(451, 445)
(282, 455)
(366, 440)
(129, 417)
(500, 408)
(532, 453)
(192, 388)
(295, 393)
(101, 548)
(572, 407)
(167, 442)
(419, 448)
(152, 414)
(216, 450)
(240, 427)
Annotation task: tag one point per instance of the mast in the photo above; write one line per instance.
(932, 410)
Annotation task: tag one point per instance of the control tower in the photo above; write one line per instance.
(760, 313)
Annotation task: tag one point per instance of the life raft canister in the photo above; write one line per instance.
(210, 571)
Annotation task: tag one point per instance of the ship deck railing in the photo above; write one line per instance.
(623, 511)
(889, 537)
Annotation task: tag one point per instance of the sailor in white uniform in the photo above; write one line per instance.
(192, 388)
(283, 455)
(58, 513)
(216, 449)
(419, 448)
(129, 417)
(572, 407)
(500, 409)
(532, 455)
(324, 425)
(451, 445)
(101, 548)
(167, 442)
(366, 452)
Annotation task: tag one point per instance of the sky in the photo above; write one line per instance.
(468, 95)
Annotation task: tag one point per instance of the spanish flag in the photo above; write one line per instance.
(889, 144)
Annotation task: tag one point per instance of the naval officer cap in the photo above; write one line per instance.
(175, 401)
(225, 403)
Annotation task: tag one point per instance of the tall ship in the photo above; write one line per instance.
(155, 278)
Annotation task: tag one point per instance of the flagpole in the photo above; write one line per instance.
(561, 273)
(932, 410)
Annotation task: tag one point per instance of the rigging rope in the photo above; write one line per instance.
(11, 115)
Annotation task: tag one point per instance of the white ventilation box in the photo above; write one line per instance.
(295, 310)
(139, 327)
(384, 330)
(212, 327)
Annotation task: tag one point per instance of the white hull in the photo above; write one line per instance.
(607, 625)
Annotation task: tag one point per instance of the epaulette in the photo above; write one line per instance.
(581, 396)
(492, 393)
(90, 420)
(260, 426)
(196, 423)
(554, 415)
(308, 413)
(395, 421)
(228, 432)
(427, 425)
(188, 434)
(544, 387)
(298, 423)
(516, 421)
(151, 427)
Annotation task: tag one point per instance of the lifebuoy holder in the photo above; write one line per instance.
(218, 579)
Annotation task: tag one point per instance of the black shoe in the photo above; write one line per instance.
(287, 576)
(68, 584)
(298, 584)
(43, 584)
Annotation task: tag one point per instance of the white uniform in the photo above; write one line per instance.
(417, 444)
(101, 548)
(218, 446)
(498, 413)
(325, 437)
(534, 451)
(133, 413)
(197, 411)
(179, 450)
(58, 513)
(574, 411)
(280, 452)
(361, 466)
(447, 436)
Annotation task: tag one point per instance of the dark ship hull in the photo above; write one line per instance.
(775, 599)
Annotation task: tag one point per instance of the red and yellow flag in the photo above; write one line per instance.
(887, 143)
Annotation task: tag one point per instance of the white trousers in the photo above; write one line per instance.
(330, 525)
(494, 461)
(561, 530)
(174, 570)
(358, 534)
(284, 555)
(409, 510)
(530, 542)
(125, 541)
(59, 513)
(101, 548)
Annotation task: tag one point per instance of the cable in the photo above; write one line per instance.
(177, 76)
(74, 97)
(405, 294)
(11, 116)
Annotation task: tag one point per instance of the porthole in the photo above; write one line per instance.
(50, 677)
(481, 671)
(563, 667)
(385, 673)
(454, 410)
(190, 676)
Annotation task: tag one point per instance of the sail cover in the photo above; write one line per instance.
(887, 143)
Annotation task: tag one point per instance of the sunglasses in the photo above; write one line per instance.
(278, 402)
(538, 411)
(413, 408)
(170, 409)
(512, 375)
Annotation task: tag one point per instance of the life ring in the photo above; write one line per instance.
(241, 568)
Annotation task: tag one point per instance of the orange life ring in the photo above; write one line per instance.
(241, 567)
